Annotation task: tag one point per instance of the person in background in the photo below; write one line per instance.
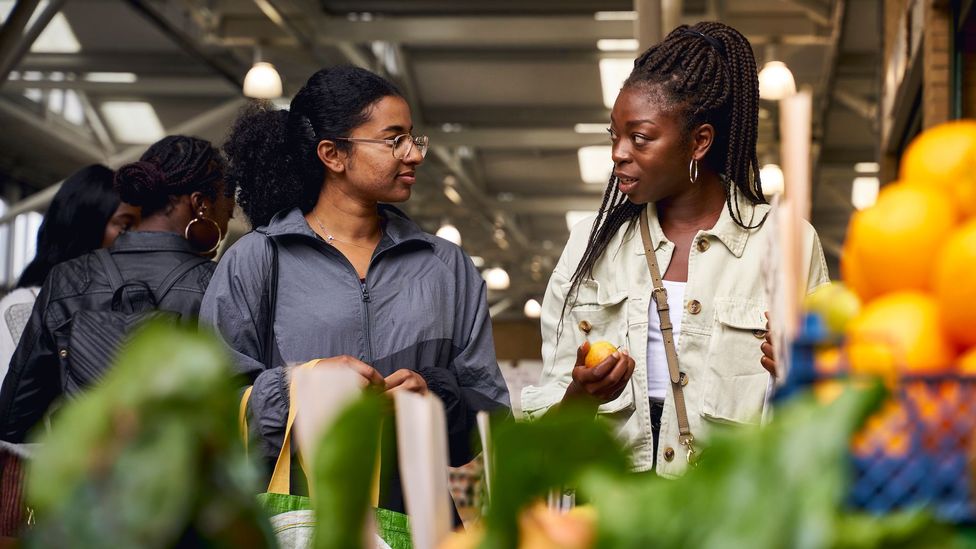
(683, 132)
(186, 205)
(359, 284)
(85, 214)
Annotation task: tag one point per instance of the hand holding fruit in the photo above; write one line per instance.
(602, 371)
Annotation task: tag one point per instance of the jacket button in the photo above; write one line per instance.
(63, 353)
(694, 307)
(760, 334)
(585, 326)
(682, 379)
(703, 244)
(668, 453)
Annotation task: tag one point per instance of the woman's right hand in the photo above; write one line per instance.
(367, 372)
(605, 381)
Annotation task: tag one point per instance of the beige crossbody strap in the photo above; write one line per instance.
(660, 295)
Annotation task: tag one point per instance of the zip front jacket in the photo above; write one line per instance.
(422, 307)
(722, 327)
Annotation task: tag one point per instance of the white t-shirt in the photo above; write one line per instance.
(658, 378)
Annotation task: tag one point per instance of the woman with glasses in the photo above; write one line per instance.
(334, 273)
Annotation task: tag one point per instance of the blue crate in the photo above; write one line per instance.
(930, 465)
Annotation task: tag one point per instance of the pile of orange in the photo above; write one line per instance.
(911, 259)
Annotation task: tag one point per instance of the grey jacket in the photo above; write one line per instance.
(422, 307)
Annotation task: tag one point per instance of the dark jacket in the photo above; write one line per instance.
(422, 307)
(34, 379)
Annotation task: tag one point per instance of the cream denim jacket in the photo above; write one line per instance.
(722, 327)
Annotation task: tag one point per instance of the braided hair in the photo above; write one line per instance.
(707, 74)
(173, 166)
(273, 153)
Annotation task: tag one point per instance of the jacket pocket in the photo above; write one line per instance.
(735, 381)
(598, 314)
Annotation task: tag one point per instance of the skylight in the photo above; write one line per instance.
(133, 122)
(57, 37)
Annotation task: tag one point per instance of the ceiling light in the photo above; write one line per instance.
(864, 192)
(615, 16)
(613, 72)
(452, 194)
(867, 167)
(496, 278)
(532, 309)
(262, 81)
(133, 121)
(478, 261)
(112, 77)
(595, 164)
(450, 233)
(776, 81)
(590, 128)
(575, 216)
(617, 44)
(772, 180)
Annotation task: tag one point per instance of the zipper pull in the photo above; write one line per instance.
(365, 291)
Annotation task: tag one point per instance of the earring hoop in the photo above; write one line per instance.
(199, 218)
(693, 171)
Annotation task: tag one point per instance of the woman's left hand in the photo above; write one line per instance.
(406, 380)
(768, 359)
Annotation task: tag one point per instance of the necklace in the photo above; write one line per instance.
(330, 238)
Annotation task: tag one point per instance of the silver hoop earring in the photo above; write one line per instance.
(693, 171)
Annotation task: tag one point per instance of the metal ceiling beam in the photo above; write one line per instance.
(516, 138)
(817, 11)
(9, 60)
(60, 140)
(141, 63)
(201, 125)
(144, 87)
(449, 31)
(232, 71)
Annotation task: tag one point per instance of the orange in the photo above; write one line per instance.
(598, 352)
(893, 245)
(955, 285)
(900, 333)
(885, 433)
(944, 157)
(967, 363)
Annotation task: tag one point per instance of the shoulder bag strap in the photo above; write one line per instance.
(660, 295)
(182, 269)
(269, 339)
(111, 268)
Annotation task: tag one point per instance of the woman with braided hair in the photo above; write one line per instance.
(179, 185)
(685, 187)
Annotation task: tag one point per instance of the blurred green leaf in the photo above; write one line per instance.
(344, 464)
(533, 458)
(151, 456)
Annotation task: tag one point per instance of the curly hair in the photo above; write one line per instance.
(707, 74)
(173, 166)
(272, 153)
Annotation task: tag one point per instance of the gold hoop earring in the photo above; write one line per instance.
(205, 238)
(693, 171)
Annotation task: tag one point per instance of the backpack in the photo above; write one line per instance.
(90, 340)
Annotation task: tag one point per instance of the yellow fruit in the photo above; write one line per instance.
(955, 285)
(835, 304)
(967, 363)
(944, 157)
(899, 333)
(598, 352)
(893, 245)
(542, 528)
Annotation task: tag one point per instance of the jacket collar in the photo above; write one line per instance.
(397, 227)
(726, 230)
(151, 241)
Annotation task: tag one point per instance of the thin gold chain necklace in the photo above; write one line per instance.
(330, 238)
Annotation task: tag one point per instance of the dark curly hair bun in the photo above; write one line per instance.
(141, 183)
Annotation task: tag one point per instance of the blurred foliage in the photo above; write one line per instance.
(780, 486)
(151, 457)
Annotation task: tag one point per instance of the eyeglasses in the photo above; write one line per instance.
(402, 144)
